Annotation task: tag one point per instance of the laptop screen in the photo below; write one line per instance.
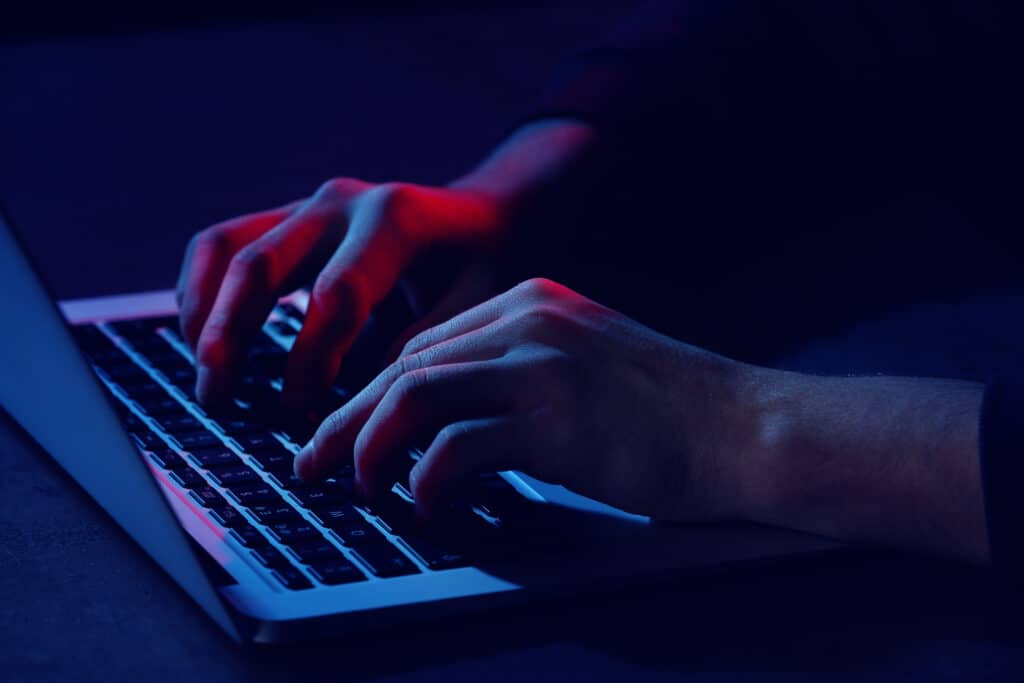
(49, 389)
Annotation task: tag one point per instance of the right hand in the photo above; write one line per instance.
(358, 239)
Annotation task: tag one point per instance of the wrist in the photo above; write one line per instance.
(535, 156)
(766, 426)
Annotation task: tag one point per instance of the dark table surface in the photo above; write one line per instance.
(138, 140)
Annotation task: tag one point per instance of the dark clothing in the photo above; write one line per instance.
(781, 152)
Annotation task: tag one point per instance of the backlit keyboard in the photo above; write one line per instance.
(236, 466)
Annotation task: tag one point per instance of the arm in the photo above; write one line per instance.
(885, 460)
(543, 380)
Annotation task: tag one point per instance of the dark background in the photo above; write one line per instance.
(124, 128)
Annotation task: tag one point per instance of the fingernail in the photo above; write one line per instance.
(303, 464)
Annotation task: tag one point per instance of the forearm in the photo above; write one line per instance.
(885, 460)
(533, 159)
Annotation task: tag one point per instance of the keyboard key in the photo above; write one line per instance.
(182, 377)
(110, 355)
(288, 480)
(337, 514)
(206, 496)
(168, 459)
(180, 423)
(161, 406)
(187, 477)
(313, 551)
(253, 494)
(319, 496)
(149, 440)
(291, 310)
(276, 463)
(433, 555)
(292, 532)
(356, 533)
(498, 498)
(165, 358)
(228, 517)
(234, 476)
(143, 327)
(249, 536)
(259, 443)
(270, 556)
(264, 344)
(267, 513)
(283, 328)
(385, 560)
(336, 572)
(216, 457)
(291, 578)
(397, 514)
(126, 374)
(237, 426)
(130, 420)
(151, 345)
(194, 441)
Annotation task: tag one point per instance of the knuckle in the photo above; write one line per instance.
(395, 207)
(417, 343)
(453, 440)
(409, 364)
(543, 318)
(538, 288)
(332, 290)
(413, 386)
(324, 292)
(213, 239)
(338, 189)
(392, 197)
(255, 266)
(342, 292)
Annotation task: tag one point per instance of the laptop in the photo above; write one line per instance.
(105, 386)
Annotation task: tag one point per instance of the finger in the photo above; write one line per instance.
(334, 440)
(206, 260)
(460, 452)
(473, 287)
(420, 404)
(256, 276)
(481, 314)
(357, 277)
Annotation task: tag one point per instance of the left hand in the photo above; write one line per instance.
(543, 380)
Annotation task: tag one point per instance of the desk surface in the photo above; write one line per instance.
(138, 140)
(81, 602)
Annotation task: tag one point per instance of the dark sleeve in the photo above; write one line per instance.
(1002, 471)
(845, 93)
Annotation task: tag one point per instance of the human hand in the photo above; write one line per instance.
(543, 380)
(358, 238)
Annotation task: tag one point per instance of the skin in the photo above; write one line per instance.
(358, 240)
(543, 380)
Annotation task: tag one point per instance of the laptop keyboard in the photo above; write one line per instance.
(236, 466)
